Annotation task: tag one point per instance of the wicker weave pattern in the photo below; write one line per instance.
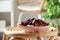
(29, 2)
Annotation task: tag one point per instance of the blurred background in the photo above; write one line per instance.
(9, 16)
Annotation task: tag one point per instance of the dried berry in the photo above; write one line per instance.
(25, 22)
(43, 23)
(34, 22)
(30, 22)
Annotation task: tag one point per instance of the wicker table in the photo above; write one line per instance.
(52, 34)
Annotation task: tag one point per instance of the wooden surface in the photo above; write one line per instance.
(35, 34)
(48, 33)
(34, 11)
(44, 33)
(22, 3)
(28, 2)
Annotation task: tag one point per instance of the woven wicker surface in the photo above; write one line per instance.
(29, 2)
(18, 30)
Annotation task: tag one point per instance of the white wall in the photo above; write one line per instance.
(5, 5)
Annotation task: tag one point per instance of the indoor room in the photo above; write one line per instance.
(29, 19)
